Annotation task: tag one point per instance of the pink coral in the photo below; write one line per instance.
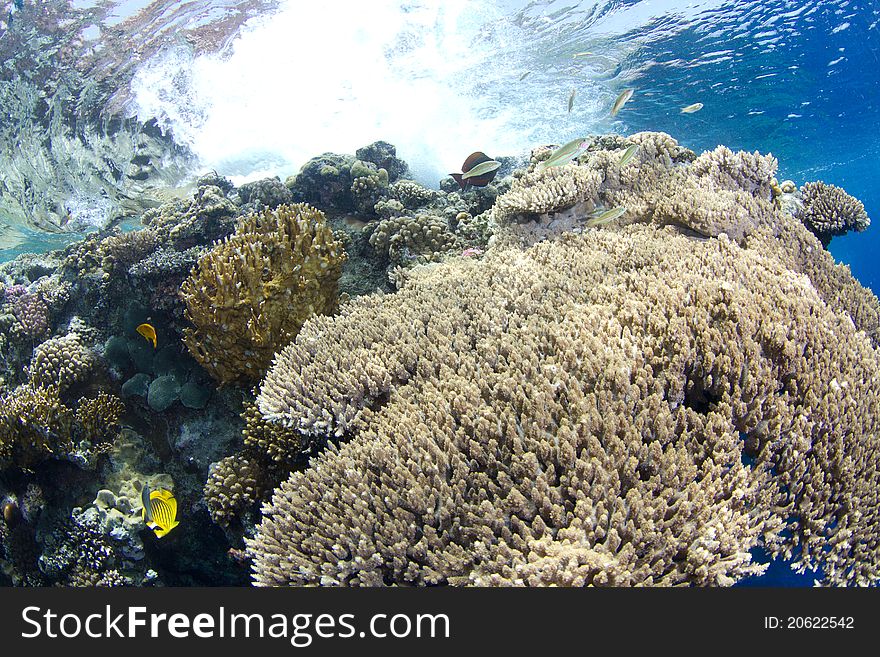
(31, 312)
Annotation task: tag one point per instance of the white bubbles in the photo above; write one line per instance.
(335, 76)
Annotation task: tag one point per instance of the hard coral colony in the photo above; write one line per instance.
(622, 364)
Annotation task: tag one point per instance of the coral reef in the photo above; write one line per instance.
(620, 407)
(252, 292)
(655, 400)
(34, 425)
(828, 211)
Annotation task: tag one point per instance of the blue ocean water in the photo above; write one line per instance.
(796, 78)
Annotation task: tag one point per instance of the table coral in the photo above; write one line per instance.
(252, 292)
(619, 407)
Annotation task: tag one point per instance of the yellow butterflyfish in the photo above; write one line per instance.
(160, 510)
(148, 332)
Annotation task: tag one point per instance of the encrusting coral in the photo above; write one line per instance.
(624, 406)
(828, 211)
(252, 292)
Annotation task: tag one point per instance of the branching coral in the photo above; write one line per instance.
(274, 440)
(99, 418)
(31, 314)
(748, 172)
(828, 211)
(124, 249)
(547, 190)
(34, 425)
(252, 292)
(618, 407)
(411, 194)
(235, 484)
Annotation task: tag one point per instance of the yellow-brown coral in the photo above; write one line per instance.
(34, 425)
(252, 292)
(99, 418)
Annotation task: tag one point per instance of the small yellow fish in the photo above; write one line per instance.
(624, 96)
(690, 109)
(160, 510)
(571, 100)
(585, 53)
(148, 332)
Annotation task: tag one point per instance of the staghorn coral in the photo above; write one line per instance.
(829, 211)
(618, 407)
(252, 292)
(548, 190)
(61, 362)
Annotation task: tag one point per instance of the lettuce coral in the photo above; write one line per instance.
(253, 291)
